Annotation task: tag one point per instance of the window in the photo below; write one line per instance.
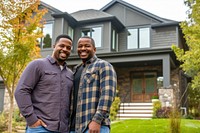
(95, 33)
(46, 41)
(70, 32)
(114, 40)
(138, 38)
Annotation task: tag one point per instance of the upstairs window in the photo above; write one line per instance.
(70, 32)
(114, 40)
(95, 33)
(46, 41)
(138, 38)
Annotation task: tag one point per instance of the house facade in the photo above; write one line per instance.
(136, 42)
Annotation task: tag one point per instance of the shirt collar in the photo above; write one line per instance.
(93, 59)
(53, 61)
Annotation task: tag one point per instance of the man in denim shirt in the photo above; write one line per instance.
(94, 91)
(44, 90)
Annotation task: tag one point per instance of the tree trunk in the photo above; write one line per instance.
(10, 113)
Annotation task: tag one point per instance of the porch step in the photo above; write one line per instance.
(135, 111)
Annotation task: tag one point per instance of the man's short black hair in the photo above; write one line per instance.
(62, 36)
(92, 40)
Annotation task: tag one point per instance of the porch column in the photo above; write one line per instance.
(166, 71)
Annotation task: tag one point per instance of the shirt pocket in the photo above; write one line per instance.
(90, 77)
(50, 77)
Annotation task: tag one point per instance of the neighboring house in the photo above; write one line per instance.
(136, 42)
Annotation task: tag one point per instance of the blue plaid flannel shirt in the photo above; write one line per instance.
(97, 90)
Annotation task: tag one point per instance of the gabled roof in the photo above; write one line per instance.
(109, 5)
(89, 14)
(96, 16)
(53, 9)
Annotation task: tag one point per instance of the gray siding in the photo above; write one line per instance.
(122, 41)
(129, 17)
(163, 37)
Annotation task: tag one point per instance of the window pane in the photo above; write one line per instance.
(132, 39)
(47, 32)
(144, 38)
(96, 35)
(70, 32)
(150, 83)
(113, 40)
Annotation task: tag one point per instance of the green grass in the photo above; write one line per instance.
(153, 126)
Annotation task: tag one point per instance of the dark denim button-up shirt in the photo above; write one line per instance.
(43, 92)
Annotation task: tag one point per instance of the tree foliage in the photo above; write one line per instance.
(47, 41)
(20, 27)
(191, 29)
(191, 58)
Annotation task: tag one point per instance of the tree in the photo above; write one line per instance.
(191, 59)
(47, 41)
(20, 27)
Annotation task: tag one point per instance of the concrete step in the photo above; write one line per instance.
(136, 108)
(134, 115)
(135, 111)
(136, 104)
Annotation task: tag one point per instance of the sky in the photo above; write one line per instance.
(170, 9)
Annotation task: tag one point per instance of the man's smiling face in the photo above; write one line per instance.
(86, 49)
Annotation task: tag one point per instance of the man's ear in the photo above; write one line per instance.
(54, 46)
(95, 49)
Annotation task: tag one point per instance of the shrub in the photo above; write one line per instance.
(155, 96)
(163, 112)
(17, 117)
(156, 106)
(114, 108)
(3, 121)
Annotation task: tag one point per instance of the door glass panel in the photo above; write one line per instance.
(137, 84)
(150, 83)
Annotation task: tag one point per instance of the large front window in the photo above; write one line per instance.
(138, 38)
(95, 33)
(46, 41)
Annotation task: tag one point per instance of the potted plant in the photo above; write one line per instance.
(155, 97)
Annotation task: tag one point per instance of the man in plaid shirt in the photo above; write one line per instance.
(95, 84)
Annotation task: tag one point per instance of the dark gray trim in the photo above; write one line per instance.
(72, 21)
(165, 24)
(119, 26)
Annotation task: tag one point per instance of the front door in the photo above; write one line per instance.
(143, 86)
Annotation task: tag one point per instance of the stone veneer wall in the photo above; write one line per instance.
(169, 96)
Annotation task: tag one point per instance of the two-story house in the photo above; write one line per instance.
(136, 42)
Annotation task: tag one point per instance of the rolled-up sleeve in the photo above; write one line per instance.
(108, 84)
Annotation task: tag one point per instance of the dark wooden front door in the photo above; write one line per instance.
(143, 86)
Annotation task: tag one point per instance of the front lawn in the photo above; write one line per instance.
(153, 126)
